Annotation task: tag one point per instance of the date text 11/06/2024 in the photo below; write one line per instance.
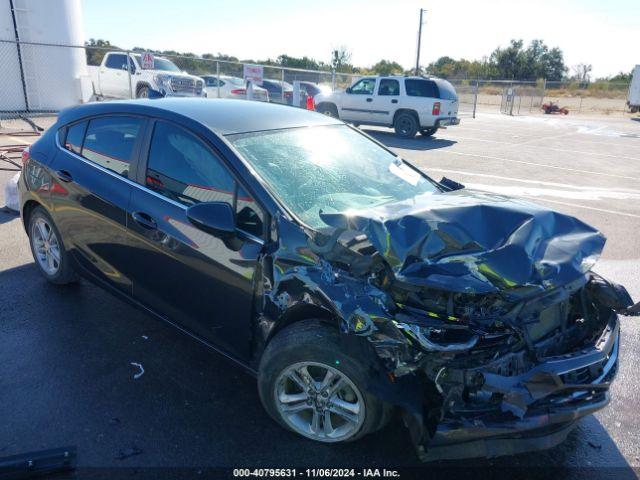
(316, 472)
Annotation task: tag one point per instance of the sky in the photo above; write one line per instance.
(604, 33)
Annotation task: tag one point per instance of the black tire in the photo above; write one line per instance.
(406, 125)
(328, 109)
(142, 91)
(65, 273)
(313, 341)
(428, 132)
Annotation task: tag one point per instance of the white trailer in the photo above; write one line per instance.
(633, 98)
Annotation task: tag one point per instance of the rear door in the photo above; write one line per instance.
(91, 190)
(357, 103)
(199, 282)
(114, 76)
(385, 101)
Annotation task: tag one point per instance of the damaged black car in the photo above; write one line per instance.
(357, 289)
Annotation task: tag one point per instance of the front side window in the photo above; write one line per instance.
(117, 61)
(110, 141)
(364, 87)
(184, 169)
(328, 169)
(75, 135)
(421, 88)
(211, 81)
(389, 86)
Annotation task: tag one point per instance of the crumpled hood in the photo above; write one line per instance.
(474, 242)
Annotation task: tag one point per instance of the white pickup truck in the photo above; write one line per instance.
(165, 79)
(408, 104)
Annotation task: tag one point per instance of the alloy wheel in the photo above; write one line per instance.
(46, 246)
(319, 402)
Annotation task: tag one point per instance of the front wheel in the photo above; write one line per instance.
(48, 250)
(143, 92)
(406, 125)
(428, 132)
(328, 109)
(310, 386)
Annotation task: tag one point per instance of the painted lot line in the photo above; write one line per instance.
(535, 164)
(527, 144)
(558, 190)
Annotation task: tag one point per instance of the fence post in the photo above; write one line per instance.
(544, 89)
(282, 88)
(218, 77)
(475, 98)
(129, 73)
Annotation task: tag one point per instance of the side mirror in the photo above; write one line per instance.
(216, 218)
(348, 90)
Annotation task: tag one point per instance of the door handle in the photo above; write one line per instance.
(64, 176)
(144, 220)
(394, 101)
(369, 99)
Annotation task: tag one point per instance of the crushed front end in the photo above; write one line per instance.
(502, 390)
(479, 316)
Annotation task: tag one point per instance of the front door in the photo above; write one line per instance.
(199, 282)
(357, 101)
(114, 76)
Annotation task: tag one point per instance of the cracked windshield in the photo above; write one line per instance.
(328, 169)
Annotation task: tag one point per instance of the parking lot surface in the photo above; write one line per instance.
(67, 353)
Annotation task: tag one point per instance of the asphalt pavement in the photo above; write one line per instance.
(69, 355)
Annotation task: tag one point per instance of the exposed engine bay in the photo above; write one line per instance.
(484, 322)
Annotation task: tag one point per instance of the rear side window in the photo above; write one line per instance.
(447, 92)
(75, 135)
(109, 142)
(184, 169)
(117, 61)
(421, 88)
(389, 86)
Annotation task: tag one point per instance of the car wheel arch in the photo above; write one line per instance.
(300, 312)
(328, 105)
(140, 86)
(406, 110)
(27, 210)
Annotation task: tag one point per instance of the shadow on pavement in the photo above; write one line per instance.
(390, 139)
(67, 379)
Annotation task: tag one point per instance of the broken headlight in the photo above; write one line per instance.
(440, 338)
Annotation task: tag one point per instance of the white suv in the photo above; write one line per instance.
(408, 104)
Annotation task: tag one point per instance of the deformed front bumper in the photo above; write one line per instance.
(539, 407)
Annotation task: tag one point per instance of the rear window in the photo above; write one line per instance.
(447, 92)
(421, 88)
(109, 142)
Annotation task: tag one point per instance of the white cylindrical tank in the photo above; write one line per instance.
(37, 77)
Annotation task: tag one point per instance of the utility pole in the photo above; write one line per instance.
(417, 72)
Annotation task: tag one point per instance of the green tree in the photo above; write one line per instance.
(386, 67)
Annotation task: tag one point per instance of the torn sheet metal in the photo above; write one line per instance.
(504, 330)
(474, 242)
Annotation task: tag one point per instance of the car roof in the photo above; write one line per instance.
(222, 116)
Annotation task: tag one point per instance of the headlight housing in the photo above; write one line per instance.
(441, 338)
(163, 81)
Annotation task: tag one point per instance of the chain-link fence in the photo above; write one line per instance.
(40, 78)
